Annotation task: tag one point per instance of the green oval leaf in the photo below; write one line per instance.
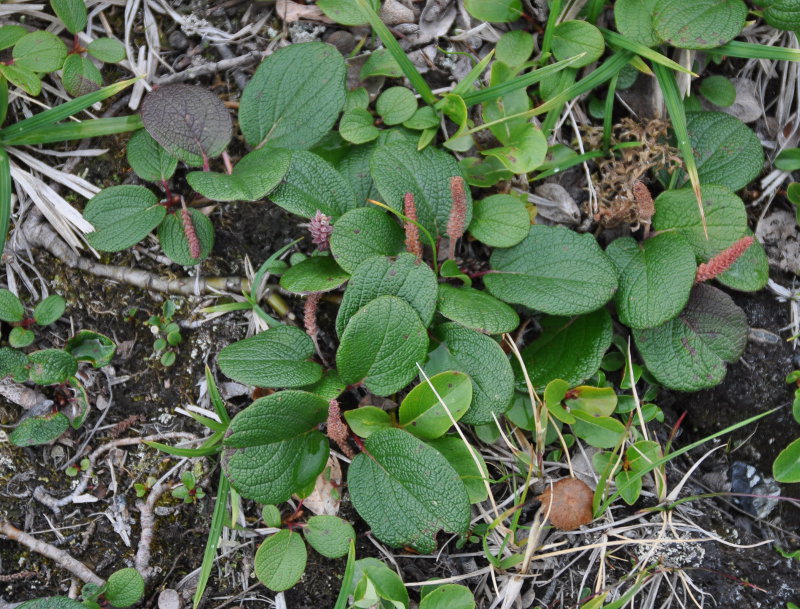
(655, 278)
(500, 221)
(786, 467)
(107, 50)
(424, 415)
(484, 361)
(173, 240)
(496, 11)
(514, 48)
(553, 270)
(13, 363)
(719, 90)
(329, 535)
(403, 277)
(274, 448)
(781, 14)
(398, 168)
(51, 366)
(20, 337)
(462, 458)
(363, 233)
(406, 491)
(80, 76)
(698, 24)
(52, 602)
(50, 310)
(634, 19)
(726, 150)
(72, 14)
(190, 122)
(281, 560)
(689, 353)
(149, 159)
(569, 348)
(255, 175)
(124, 588)
(357, 126)
(380, 63)
(312, 184)
(314, 274)
(448, 596)
(366, 420)
(277, 357)
(347, 12)
(524, 150)
(572, 38)
(294, 97)
(122, 216)
(39, 430)
(476, 309)
(381, 345)
(10, 35)
(92, 347)
(396, 105)
(726, 218)
(39, 51)
(600, 432)
(23, 78)
(11, 309)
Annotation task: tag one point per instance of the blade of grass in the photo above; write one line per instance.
(347, 578)
(677, 115)
(63, 132)
(5, 196)
(617, 40)
(62, 111)
(518, 82)
(216, 398)
(214, 533)
(186, 452)
(465, 86)
(549, 29)
(608, 112)
(388, 40)
(3, 99)
(667, 458)
(749, 50)
(605, 72)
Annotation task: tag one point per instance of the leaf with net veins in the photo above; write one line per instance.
(190, 122)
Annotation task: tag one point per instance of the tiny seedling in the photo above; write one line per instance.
(167, 333)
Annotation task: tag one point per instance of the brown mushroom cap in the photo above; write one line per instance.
(569, 503)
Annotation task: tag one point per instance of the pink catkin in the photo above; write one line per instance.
(310, 314)
(458, 213)
(337, 429)
(191, 234)
(722, 261)
(320, 229)
(413, 244)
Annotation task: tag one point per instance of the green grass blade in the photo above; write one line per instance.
(608, 112)
(62, 111)
(185, 452)
(347, 579)
(617, 40)
(667, 458)
(465, 86)
(749, 50)
(63, 132)
(518, 82)
(677, 115)
(216, 398)
(549, 29)
(214, 533)
(5, 196)
(605, 72)
(262, 270)
(578, 159)
(3, 99)
(388, 39)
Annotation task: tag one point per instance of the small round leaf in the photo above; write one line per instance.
(39, 51)
(575, 37)
(20, 337)
(424, 411)
(174, 242)
(718, 90)
(149, 159)
(50, 310)
(124, 587)
(396, 105)
(698, 24)
(11, 309)
(329, 535)
(500, 221)
(107, 50)
(281, 560)
(314, 274)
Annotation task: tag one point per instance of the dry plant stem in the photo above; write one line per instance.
(42, 236)
(147, 522)
(42, 496)
(210, 68)
(61, 558)
(536, 404)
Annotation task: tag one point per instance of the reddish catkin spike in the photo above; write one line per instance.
(458, 213)
(722, 261)
(413, 244)
(320, 229)
(191, 234)
(337, 430)
(310, 314)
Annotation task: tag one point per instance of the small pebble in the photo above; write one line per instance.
(394, 13)
(343, 40)
(178, 41)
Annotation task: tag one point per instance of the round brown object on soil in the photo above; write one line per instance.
(569, 503)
